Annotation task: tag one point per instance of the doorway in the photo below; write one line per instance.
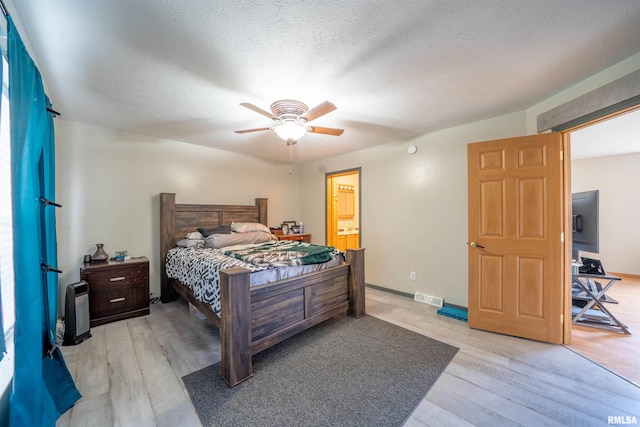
(565, 279)
(343, 213)
(604, 156)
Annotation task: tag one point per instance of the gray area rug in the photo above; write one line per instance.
(343, 372)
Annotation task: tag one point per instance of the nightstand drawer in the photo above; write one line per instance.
(115, 301)
(102, 280)
(295, 237)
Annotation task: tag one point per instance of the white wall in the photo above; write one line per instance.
(108, 183)
(617, 178)
(414, 207)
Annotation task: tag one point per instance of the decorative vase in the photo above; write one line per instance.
(99, 255)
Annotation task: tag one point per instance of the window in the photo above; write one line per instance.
(6, 234)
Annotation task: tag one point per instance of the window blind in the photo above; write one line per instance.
(6, 233)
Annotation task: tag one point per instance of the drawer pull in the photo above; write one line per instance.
(117, 279)
(117, 300)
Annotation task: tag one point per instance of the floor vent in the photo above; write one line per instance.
(428, 299)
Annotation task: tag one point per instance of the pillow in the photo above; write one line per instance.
(194, 236)
(217, 241)
(190, 243)
(223, 229)
(244, 227)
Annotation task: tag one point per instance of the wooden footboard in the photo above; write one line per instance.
(282, 309)
(254, 319)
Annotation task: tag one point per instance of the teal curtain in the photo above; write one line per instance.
(3, 348)
(42, 387)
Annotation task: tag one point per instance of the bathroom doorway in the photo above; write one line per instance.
(343, 191)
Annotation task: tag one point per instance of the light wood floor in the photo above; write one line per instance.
(129, 373)
(618, 352)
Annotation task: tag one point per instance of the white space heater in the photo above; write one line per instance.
(76, 314)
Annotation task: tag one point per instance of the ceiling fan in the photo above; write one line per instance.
(291, 119)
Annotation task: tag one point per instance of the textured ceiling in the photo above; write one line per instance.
(395, 69)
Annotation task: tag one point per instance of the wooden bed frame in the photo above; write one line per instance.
(255, 318)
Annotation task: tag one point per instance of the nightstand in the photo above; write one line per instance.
(297, 237)
(117, 289)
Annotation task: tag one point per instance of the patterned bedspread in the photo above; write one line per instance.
(199, 268)
(283, 253)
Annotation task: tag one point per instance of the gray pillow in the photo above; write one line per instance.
(217, 241)
(223, 229)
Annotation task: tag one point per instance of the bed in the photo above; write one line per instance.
(254, 318)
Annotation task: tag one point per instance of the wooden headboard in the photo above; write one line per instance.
(176, 220)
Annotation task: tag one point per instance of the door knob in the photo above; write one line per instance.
(475, 244)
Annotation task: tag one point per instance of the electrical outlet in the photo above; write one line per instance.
(412, 275)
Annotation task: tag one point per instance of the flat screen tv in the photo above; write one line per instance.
(584, 221)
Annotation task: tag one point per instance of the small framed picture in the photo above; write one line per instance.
(295, 229)
(287, 226)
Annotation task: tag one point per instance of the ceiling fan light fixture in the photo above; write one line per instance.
(290, 129)
(291, 118)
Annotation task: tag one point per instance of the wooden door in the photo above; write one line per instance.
(516, 251)
(332, 212)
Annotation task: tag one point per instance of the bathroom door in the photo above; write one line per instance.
(338, 228)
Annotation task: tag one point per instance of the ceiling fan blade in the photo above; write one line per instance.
(325, 131)
(251, 130)
(258, 110)
(320, 110)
